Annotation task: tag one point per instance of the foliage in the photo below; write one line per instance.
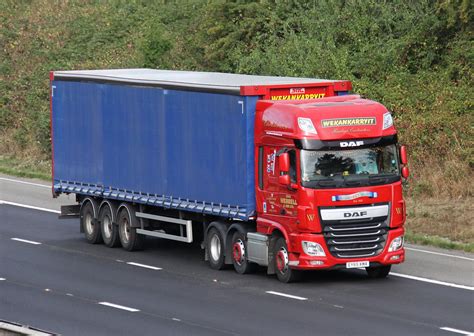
(415, 57)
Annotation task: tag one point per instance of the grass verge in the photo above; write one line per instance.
(30, 169)
(423, 239)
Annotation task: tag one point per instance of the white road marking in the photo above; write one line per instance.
(26, 241)
(28, 206)
(457, 331)
(437, 282)
(287, 295)
(24, 182)
(113, 305)
(144, 266)
(176, 319)
(438, 253)
(2, 279)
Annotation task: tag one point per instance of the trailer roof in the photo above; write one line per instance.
(214, 81)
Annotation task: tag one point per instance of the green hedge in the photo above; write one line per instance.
(416, 57)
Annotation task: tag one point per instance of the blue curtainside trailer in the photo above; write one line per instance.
(171, 147)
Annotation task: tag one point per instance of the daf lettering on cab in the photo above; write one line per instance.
(291, 174)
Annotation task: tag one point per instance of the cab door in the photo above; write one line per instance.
(278, 202)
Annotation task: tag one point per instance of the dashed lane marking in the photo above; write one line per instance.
(24, 182)
(2, 279)
(287, 295)
(437, 282)
(26, 241)
(28, 206)
(144, 266)
(438, 253)
(113, 305)
(457, 331)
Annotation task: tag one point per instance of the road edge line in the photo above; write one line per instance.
(29, 206)
(25, 182)
(438, 253)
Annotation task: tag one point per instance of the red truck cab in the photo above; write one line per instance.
(329, 181)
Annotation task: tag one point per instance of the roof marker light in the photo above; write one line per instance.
(387, 120)
(306, 125)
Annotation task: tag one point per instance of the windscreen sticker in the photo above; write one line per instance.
(299, 96)
(345, 122)
(369, 194)
(271, 163)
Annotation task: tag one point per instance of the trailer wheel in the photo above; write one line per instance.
(283, 271)
(108, 228)
(239, 254)
(215, 249)
(89, 223)
(129, 238)
(378, 272)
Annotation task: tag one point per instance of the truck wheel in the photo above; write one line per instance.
(108, 228)
(215, 249)
(239, 254)
(378, 272)
(89, 223)
(283, 271)
(129, 238)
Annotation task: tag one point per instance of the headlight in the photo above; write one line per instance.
(313, 249)
(396, 244)
(306, 125)
(387, 120)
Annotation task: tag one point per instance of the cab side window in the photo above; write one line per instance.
(292, 154)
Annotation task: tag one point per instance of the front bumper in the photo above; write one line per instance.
(299, 260)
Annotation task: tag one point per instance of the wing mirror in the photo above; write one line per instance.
(405, 172)
(403, 155)
(284, 166)
(284, 162)
(404, 161)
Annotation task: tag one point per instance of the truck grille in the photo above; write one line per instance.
(355, 238)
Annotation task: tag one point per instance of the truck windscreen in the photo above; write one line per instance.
(349, 168)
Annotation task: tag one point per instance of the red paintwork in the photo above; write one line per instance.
(294, 212)
(237, 253)
(267, 91)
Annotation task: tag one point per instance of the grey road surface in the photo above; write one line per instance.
(50, 278)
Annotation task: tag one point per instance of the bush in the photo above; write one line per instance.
(414, 56)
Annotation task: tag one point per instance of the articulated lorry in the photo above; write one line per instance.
(288, 173)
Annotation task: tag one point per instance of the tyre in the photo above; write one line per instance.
(89, 222)
(215, 249)
(129, 238)
(109, 229)
(239, 254)
(283, 271)
(378, 272)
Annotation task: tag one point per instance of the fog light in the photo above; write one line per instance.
(395, 257)
(316, 262)
(396, 244)
(313, 249)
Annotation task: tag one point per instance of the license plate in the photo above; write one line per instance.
(357, 264)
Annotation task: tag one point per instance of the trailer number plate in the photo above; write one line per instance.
(357, 264)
